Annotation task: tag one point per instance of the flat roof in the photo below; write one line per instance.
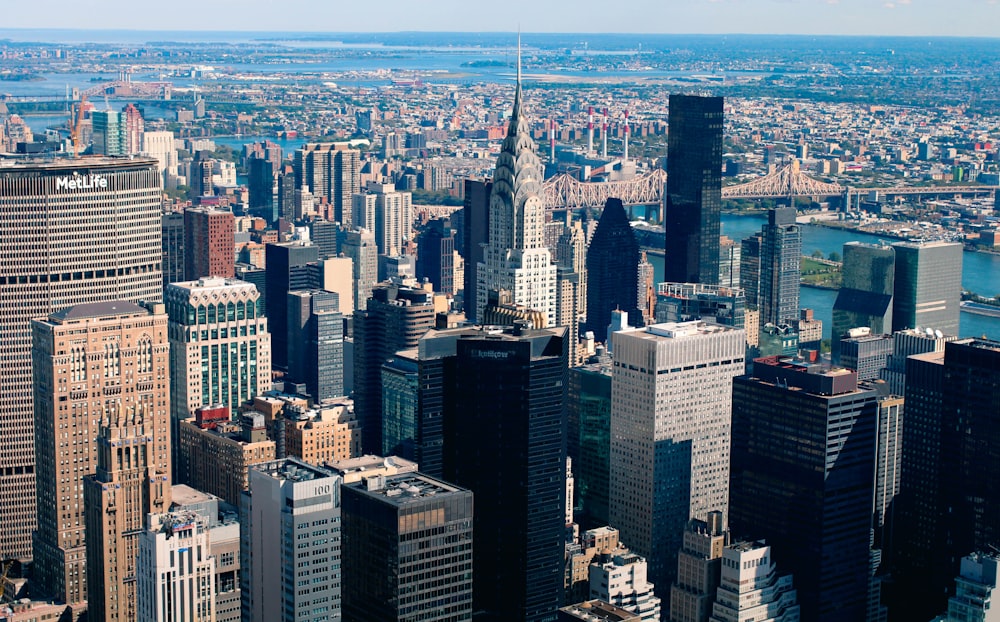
(97, 310)
(67, 163)
(405, 488)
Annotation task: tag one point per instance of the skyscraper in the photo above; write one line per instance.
(393, 218)
(515, 257)
(69, 243)
(505, 441)
(699, 566)
(359, 245)
(436, 255)
(109, 132)
(287, 271)
(316, 342)
(612, 270)
(803, 454)
(394, 529)
(209, 245)
(588, 439)
(949, 499)
(693, 197)
(176, 575)
(751, 589)
(928, 286)
(125, 488)
(90, 362)
(173, 247)
(865, 297)
(396, 318)
(475, 234)
(331, 171)
(260, 186)
(780, 268)
(290, 526)
(750, 270)
(220, 348)
(669, 443)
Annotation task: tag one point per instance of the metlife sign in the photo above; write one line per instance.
(82, 182)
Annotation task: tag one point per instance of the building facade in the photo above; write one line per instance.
(176, 576)
(612, 271)
(291, 531)
(209, 243)
(125, 488)
(751, 589)
(693, 197)
(220, 346)
(865, 296)
(316, 343)
(804, 447)
(926, 291)
(76, 231)
(216, 454)
(394, 529)
(670, 443)
(90, 362)
(780, 268)
(515, 257)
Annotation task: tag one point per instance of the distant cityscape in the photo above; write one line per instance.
(456, 326)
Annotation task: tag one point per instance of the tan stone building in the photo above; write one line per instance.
(325, 435)
(92, 363)
(117, 498)
(215, 453)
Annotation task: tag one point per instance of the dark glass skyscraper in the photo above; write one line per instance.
(865, 299)
(436, 255)
(949, 499)
(287, 271)
(802, 477)
(506, 441)
(612, 270)
(408, 539)
(475, 233)
(693, 201)
(780, 268)
(396, 319)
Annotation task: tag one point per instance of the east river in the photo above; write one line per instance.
(980, 271)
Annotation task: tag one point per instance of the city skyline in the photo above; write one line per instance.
(772, 17)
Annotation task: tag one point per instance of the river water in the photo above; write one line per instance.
(980, 271)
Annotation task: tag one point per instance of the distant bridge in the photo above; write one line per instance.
(566, 192)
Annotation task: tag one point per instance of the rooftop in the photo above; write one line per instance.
(405, 487)
(61, 164)
(292, 470)
(97, 310)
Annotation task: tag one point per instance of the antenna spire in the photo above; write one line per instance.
(519, 55)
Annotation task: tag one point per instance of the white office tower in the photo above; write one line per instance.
(393, 218)
(291, 543)
(516, 257)
(160, 145)
(974, 588)
(671, 409)
(751, 590)
(175, 574)
(620, 579)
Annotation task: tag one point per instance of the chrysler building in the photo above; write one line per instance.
(516, 258)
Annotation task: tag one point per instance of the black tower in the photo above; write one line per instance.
(694, 190)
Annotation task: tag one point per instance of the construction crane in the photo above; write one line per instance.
(74, 126)
(3, 580)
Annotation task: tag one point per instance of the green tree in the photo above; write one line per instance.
(834, 256)
(817, 254)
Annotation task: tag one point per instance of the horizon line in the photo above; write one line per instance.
(329, 33)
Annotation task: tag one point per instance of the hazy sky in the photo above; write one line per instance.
(886, 17)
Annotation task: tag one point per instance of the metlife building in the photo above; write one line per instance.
(72, 231)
